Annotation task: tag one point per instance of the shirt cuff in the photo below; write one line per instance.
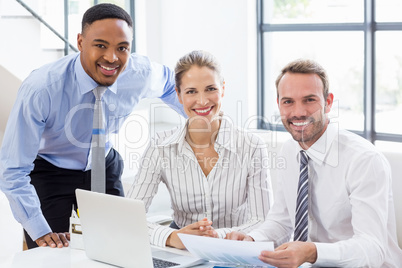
(160, 235)
(258, 236)
(222, 232)
(327, 254)
(37, 227)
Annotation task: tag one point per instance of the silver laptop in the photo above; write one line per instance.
(115, 231)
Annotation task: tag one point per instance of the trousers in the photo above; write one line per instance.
(56, 189)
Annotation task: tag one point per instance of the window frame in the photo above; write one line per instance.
(369, 26)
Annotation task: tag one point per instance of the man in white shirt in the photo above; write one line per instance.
(348, 210)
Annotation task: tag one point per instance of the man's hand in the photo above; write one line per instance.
(238, 236)
(290, 255)
(202, 227)
(53, 239)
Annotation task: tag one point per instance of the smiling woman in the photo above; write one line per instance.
(200, 89)
(217, 174)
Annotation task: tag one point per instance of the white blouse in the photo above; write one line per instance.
(236, 194)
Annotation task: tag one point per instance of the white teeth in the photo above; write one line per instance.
(300, 124)
(204, 111)
(108, 68)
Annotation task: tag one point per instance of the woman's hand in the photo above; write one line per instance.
(202, 227)
(235, 235)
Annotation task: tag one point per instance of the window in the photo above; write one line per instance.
(75, 9)
(358, 43)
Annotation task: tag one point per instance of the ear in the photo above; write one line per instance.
(328, 102)
(223, 89)
(277, 96)
(79, 41)
(178, 95)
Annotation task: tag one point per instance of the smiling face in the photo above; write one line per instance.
(105, 49)
(201, 93)
(303, 107)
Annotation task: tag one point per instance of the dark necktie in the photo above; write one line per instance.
(301, 223)
(98, 177)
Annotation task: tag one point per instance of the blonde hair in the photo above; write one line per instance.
(199, 58)
(305, 66)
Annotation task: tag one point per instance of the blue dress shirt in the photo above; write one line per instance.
(52, 117)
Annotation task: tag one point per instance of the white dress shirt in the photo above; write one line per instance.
(351, 210)
(236, 194)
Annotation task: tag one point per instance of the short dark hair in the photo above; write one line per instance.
(305, 66)
(105, 11)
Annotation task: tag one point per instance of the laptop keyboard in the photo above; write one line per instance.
(158, 263)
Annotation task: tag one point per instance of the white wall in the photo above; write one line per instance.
(10, 233)
(226, 28)
(393, 152)
(20, 49)
(10, 230)
(10, 84)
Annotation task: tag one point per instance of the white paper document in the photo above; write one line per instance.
(226, 251)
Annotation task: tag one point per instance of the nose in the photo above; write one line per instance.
(202, 99)
(110, 56)
(299, 110)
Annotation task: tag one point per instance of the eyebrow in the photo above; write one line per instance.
(305, 97)
(106, 42)
(309, 96)
(285, 98)
(192, 88)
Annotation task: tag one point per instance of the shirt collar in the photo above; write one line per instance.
(86, 83)
(178, 136)
(226, 136)
(322, 151)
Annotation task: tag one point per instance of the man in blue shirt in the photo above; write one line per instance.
(46, 152)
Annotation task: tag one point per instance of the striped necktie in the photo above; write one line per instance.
(301, 223)
(98, 176)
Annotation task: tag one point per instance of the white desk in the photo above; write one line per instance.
(46, 257)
